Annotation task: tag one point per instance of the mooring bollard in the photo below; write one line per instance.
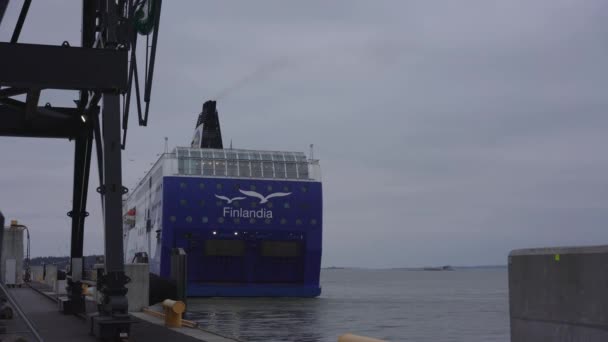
(355, 338)
(173, 312)
(179, 273)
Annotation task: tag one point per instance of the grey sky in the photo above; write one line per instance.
(448, 133)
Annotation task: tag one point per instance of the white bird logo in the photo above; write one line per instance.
(262, 198)
(229, 200)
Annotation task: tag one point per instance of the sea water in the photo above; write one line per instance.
(395, 305)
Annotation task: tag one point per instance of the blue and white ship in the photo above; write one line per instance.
(249, 221)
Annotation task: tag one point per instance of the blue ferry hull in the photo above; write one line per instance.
(243, 237)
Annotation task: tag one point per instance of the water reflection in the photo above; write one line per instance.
(260, 319)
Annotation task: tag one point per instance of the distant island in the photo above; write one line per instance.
(441, 268)
(64, 261)
(425, 268)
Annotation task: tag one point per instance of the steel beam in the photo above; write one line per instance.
(31, 103)
(112, 189)
(3, 6)
(49, 123)
(9, 92)
(113, 319)
(22, 15)
(82, 166)
(62, 67)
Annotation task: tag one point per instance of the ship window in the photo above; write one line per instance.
(244, 170)
(302, 170)
(292, 171)
(181, 169)
(278, 157)
(279, 170)
(208, 168)
(225, 247)
(301, 157)
(243, 156)
(195, 166)
(195, 154)
(255, 156)
(289, 157)
(285, 249)
(220, 167)
(182, 152)
(256, 169)
(207, 155)
(230, 155)
(232, 168)
(266, 156)
(267, 170)
(219, 154)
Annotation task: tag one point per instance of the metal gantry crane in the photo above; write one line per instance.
(102, 69)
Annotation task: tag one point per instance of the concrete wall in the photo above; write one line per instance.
(60, 287)
(139, 287)
(50, 278)
(37, 273)
(559, 294)
(12, 248)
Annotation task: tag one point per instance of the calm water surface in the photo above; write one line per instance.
(395, 305)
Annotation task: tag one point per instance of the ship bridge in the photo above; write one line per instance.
(239, 163)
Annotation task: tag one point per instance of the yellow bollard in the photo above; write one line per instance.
(173, 312)
(355, 338)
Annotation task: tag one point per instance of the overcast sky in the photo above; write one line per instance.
(448, 132)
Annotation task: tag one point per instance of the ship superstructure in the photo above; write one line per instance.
(250, 221)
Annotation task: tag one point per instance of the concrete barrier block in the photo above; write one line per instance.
(559, 294)
(139, 287)
(50, 276)
(12, 249)
(37, 273)
(60, 287)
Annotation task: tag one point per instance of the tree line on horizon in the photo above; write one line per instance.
(63, 261)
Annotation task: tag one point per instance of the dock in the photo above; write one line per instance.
(37, 318)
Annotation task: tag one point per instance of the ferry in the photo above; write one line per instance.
(249, 221)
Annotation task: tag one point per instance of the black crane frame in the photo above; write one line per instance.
(100, 70)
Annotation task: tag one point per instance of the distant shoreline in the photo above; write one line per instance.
(424, 268)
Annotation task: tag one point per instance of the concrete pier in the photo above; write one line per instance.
(559, 294)
(139, 287)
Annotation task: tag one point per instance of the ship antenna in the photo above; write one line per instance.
(166, 145)
(312, 152)
(231, 144)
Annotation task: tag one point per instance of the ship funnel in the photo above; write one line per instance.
(208, 133)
